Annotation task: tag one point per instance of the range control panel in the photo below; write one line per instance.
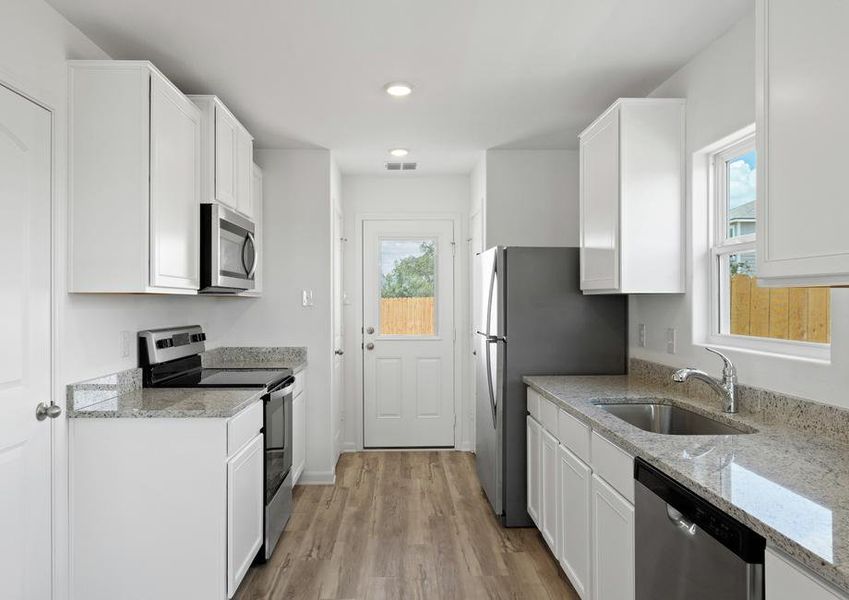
(161, 345)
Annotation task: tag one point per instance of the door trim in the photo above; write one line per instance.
(59, 517)
(459, 320)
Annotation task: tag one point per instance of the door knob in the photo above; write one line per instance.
(43, 411)
(338, 352)
(369, 330)
(369, 346)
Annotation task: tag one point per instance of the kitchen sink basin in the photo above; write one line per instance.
(668, 419)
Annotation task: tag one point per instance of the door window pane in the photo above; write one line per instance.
(408, 286)
(740, 180)
(800, 314)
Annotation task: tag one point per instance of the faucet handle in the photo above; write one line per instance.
(728, 368)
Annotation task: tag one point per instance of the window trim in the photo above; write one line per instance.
(720, 245)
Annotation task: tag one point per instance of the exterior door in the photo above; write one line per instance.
(25, 357)
(408, 333)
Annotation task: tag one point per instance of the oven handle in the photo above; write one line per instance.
(282, 392)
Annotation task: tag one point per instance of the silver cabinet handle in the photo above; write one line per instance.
(44, 411)
(369, 346)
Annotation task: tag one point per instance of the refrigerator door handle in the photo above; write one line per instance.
(491, 339)
(489, 382)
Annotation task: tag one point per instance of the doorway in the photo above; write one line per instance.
(408, 333)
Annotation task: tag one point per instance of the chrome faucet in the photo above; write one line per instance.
(725, 388)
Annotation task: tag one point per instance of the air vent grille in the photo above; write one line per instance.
(401, 166)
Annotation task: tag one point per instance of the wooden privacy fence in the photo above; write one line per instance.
(406, 316)
(786, 313)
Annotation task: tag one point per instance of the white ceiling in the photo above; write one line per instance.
(487, 73)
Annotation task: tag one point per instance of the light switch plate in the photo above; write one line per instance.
(671, 340)
(306, 298)
(126, 344)
(641, 335)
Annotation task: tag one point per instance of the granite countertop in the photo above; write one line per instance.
(256, 357)
(121, 395)
(790, 484)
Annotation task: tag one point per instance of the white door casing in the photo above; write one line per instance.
(25, 355)
(338, 326)
(408, 380)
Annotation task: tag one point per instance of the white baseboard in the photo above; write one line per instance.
(466, 447)
(349, 447)
(317, 478)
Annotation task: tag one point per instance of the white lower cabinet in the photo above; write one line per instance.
(785, 580)
(299, 427)
(534, 453)
(183, 497)
(574, 479)
(583, 508)
(548, 487)
(245, 509)
(613, 543)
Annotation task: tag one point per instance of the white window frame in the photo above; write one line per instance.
(722, 245)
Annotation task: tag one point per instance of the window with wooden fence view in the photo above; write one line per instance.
(743, 307)
(407, 287)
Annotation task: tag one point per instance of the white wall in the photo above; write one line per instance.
(719, 85)
(297, 241)
(404, 195)
(531, 198)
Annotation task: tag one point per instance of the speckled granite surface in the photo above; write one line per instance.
(121, 395)
(788, 480)
(256, 357)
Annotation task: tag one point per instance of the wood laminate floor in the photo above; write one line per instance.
(403, 525)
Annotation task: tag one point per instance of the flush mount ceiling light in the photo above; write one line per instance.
(398, 89)
(399, 152)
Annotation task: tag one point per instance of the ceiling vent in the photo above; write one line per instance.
(401, 166)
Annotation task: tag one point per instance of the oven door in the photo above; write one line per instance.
(278, 437)
(229, 253)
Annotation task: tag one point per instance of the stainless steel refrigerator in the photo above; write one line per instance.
(534, 320)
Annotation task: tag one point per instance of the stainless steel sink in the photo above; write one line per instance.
(668, 419)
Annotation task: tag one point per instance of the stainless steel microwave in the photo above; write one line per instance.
(228, 254)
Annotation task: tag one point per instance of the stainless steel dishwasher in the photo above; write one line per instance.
(688, 549)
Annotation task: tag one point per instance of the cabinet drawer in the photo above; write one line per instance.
(300, 382)
(574, 435)
(614, 465)
(533, 403)
(548, 415)
(244, 427)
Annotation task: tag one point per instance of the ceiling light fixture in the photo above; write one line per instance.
(398, 89)
(399, 152)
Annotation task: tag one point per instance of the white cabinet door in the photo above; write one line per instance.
(226, 151)
(174, 188)
(244, 173)
(548, 486)
(599, 204)
(245, 507)
(787, 581)
(574, 479)
(803, 58)
(299, 438)
(613, 544)
(534, 432)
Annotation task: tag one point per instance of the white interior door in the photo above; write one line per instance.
(408, 333)
(338, 326)
(25, 361)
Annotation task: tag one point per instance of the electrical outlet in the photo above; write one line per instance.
(641, 336)
(126, 344)
(671, 340)
(306, 298)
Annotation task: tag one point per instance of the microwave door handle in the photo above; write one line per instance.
(252, 240)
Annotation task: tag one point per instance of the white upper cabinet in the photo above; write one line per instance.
(802, 61)
(256, 195)
(227, 154)
(632, 198)
(134, 188)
